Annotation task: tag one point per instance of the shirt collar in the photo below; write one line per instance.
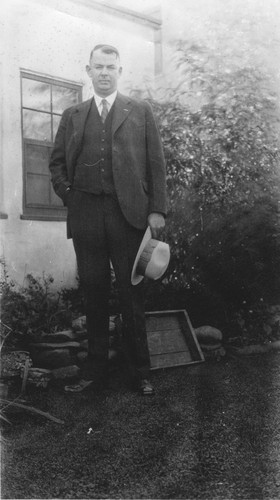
(109, 98)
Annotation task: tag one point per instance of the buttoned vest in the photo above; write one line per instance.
(93, 172)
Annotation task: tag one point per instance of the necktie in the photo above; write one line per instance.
(104, 111)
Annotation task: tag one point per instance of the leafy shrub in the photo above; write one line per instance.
(30, 310)
(36, 308)
(73, 299)
(219, 131)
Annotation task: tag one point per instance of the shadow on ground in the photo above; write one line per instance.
(212, 431)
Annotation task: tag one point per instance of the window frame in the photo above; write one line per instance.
(35, 211)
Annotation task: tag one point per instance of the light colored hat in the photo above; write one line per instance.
(152, 259)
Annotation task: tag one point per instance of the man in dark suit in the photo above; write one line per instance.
(107, 165)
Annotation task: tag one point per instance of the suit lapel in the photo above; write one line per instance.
(79, 116)
(122, 108)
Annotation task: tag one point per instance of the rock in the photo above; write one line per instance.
(53, 358)
(84, 345)
(65, 372)
(80, 334)
(210, 347)
(79, 324)
(214, 354)
(208, 334)
(63, 336)
(39, 377)
(52, 345)
(82, 356)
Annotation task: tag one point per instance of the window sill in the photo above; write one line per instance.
(61, 218)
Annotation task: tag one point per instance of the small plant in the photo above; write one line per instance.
(73, 299)
(30, 310)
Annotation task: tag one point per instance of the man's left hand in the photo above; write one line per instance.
(156, 222)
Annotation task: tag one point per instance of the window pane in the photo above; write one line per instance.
(36, 95)
(37, 190)
(37, 159)
(56, 121)
(43, 103)
(63, 98)
(36, 125)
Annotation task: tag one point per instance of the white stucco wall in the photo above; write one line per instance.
(52, 38)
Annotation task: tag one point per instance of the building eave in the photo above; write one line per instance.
(123, 12)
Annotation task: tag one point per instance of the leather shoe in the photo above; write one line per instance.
(80, 386)
(95, 384)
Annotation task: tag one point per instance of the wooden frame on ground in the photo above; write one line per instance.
(171, 339)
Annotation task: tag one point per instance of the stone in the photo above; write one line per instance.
(53, 345)
(214, 354)
(79, 324)
(63, 336)
(53, 358)
(210, 347)
(82, 356)
(84, 345)
(212, 351)
(80, 334)
(39, 376)
(208, 334)
(65, 372)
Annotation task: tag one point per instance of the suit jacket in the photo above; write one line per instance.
(137, 157)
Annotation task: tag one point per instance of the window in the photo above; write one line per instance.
(43, 102)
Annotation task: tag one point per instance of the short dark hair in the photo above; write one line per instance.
(107, 49)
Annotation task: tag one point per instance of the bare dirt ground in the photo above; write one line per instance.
(212, 431)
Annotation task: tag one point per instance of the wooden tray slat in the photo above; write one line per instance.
(166, 341)
(171, 339)
(170, 360)
(161, 322)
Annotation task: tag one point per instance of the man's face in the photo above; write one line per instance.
(104, 71)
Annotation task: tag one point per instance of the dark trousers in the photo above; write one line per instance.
(101, 234)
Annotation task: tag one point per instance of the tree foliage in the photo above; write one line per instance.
(219, 130)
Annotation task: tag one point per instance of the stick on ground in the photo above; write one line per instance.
(32, 410)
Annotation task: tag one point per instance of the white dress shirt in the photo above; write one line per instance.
(109, 98)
